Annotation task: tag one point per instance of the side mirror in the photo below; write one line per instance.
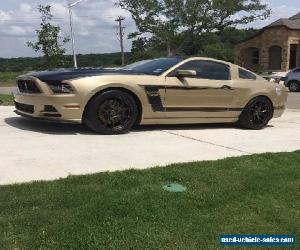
(186, 73)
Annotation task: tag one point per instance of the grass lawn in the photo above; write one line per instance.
(129, 210)
(8, 79)
(6, 100)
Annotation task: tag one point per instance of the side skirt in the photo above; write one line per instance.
(188, 120)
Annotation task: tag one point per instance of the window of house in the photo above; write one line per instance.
(208, 69)
(255, 57)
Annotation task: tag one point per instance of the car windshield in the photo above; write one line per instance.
(153, 67)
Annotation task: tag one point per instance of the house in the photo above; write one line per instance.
(275, 48)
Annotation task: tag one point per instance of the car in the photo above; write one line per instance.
(171, 90)
(292, 80)
(274, 76)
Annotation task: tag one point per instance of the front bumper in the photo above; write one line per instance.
(61, 108)
(278, 111)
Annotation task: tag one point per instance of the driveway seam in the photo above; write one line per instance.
(207, 142)
(288, 122)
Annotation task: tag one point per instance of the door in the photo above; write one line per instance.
(275, 55)
(208, 94)
(293, 56)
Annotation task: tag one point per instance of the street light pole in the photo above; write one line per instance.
(72, 31)
(73, 40)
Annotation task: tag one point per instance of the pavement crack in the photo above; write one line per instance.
(207, 142)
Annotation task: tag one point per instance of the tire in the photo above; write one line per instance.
(111, 112)
(294, 86)
(257, 114)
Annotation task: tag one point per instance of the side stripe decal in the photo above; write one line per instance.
(155, 101)
(196, 88)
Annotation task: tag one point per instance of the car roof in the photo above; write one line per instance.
(203, 58)
(295, 69)
(187, 59)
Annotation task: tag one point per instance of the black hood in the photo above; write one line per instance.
(68, 74)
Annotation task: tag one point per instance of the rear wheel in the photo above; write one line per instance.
(294, 86)
(256, 114)
(112, 112)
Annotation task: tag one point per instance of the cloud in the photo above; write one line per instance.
(277, 12)
(59, 10)
(25, 8)
(94, 24)
(16, 31)
(5, 16)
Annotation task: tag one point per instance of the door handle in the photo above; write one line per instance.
(226, 87)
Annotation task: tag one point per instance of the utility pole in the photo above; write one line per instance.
(120, 19)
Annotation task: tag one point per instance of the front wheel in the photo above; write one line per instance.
(294, 86)
(256, 114)
(111, 112)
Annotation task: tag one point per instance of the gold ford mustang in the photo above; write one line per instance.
(161, 91)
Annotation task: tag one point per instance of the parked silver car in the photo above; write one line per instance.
(292, 80)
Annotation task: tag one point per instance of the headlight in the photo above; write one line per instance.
(60, 88)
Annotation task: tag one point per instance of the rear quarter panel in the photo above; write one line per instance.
(277, 93)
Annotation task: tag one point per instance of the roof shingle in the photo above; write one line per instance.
(292, 23)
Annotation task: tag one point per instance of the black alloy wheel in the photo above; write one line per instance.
(111, 112)
(114, 114)
(257, 114)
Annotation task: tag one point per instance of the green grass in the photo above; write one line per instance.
(8, 79)
(6, 100)
(256, 194)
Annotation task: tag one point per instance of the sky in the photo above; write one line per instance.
(94, 24)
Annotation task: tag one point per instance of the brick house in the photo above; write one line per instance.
(275, 48)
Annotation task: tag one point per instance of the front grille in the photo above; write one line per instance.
(28, 86)
(24, 107)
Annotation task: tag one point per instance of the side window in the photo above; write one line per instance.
(297, 70)
(244, 74)
(208, 69)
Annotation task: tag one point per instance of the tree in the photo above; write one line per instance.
(140, 49)
(168, 20)
(49, 41)
(220, 45)
(151, 16)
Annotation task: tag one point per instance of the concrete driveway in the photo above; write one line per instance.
(293, 101)
(33, 150)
